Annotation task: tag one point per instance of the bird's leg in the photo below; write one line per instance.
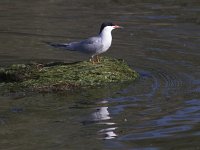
(95, 59)
(98, 58)
(92, 59)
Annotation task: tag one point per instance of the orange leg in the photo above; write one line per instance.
(98, 58)
(92, 59)
(95, 59)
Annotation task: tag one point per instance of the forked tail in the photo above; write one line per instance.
(58, 45)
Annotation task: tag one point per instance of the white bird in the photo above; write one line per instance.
(94, 45)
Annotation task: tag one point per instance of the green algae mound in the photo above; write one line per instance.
(64, 76)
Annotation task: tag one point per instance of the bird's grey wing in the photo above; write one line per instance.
(90, 46)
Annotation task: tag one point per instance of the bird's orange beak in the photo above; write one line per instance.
(116, 26)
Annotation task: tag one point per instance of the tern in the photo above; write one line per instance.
(92, 46)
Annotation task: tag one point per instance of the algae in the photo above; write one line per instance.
(64, 76)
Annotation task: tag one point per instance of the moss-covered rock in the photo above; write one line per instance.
(64, 76)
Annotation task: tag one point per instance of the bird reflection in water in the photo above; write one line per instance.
(101, 116)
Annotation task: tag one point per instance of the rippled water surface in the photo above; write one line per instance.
(160, 40)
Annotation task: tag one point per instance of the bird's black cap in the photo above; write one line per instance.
(105, 24)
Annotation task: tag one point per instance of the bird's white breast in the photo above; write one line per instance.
(106, 37)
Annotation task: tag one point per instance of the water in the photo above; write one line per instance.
(161, 110)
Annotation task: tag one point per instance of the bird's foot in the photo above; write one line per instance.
(98, 58)
(95, 59)
(92, 61)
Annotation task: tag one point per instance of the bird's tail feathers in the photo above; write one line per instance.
(58, 45)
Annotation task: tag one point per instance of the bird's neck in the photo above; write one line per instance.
(106, 37)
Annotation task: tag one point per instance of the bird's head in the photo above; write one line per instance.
(108, 26)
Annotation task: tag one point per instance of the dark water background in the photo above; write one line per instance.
(161, 110)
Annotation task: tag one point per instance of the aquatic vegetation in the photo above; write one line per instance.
(64, 76)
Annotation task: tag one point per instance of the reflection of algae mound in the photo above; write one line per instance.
(63, 76)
